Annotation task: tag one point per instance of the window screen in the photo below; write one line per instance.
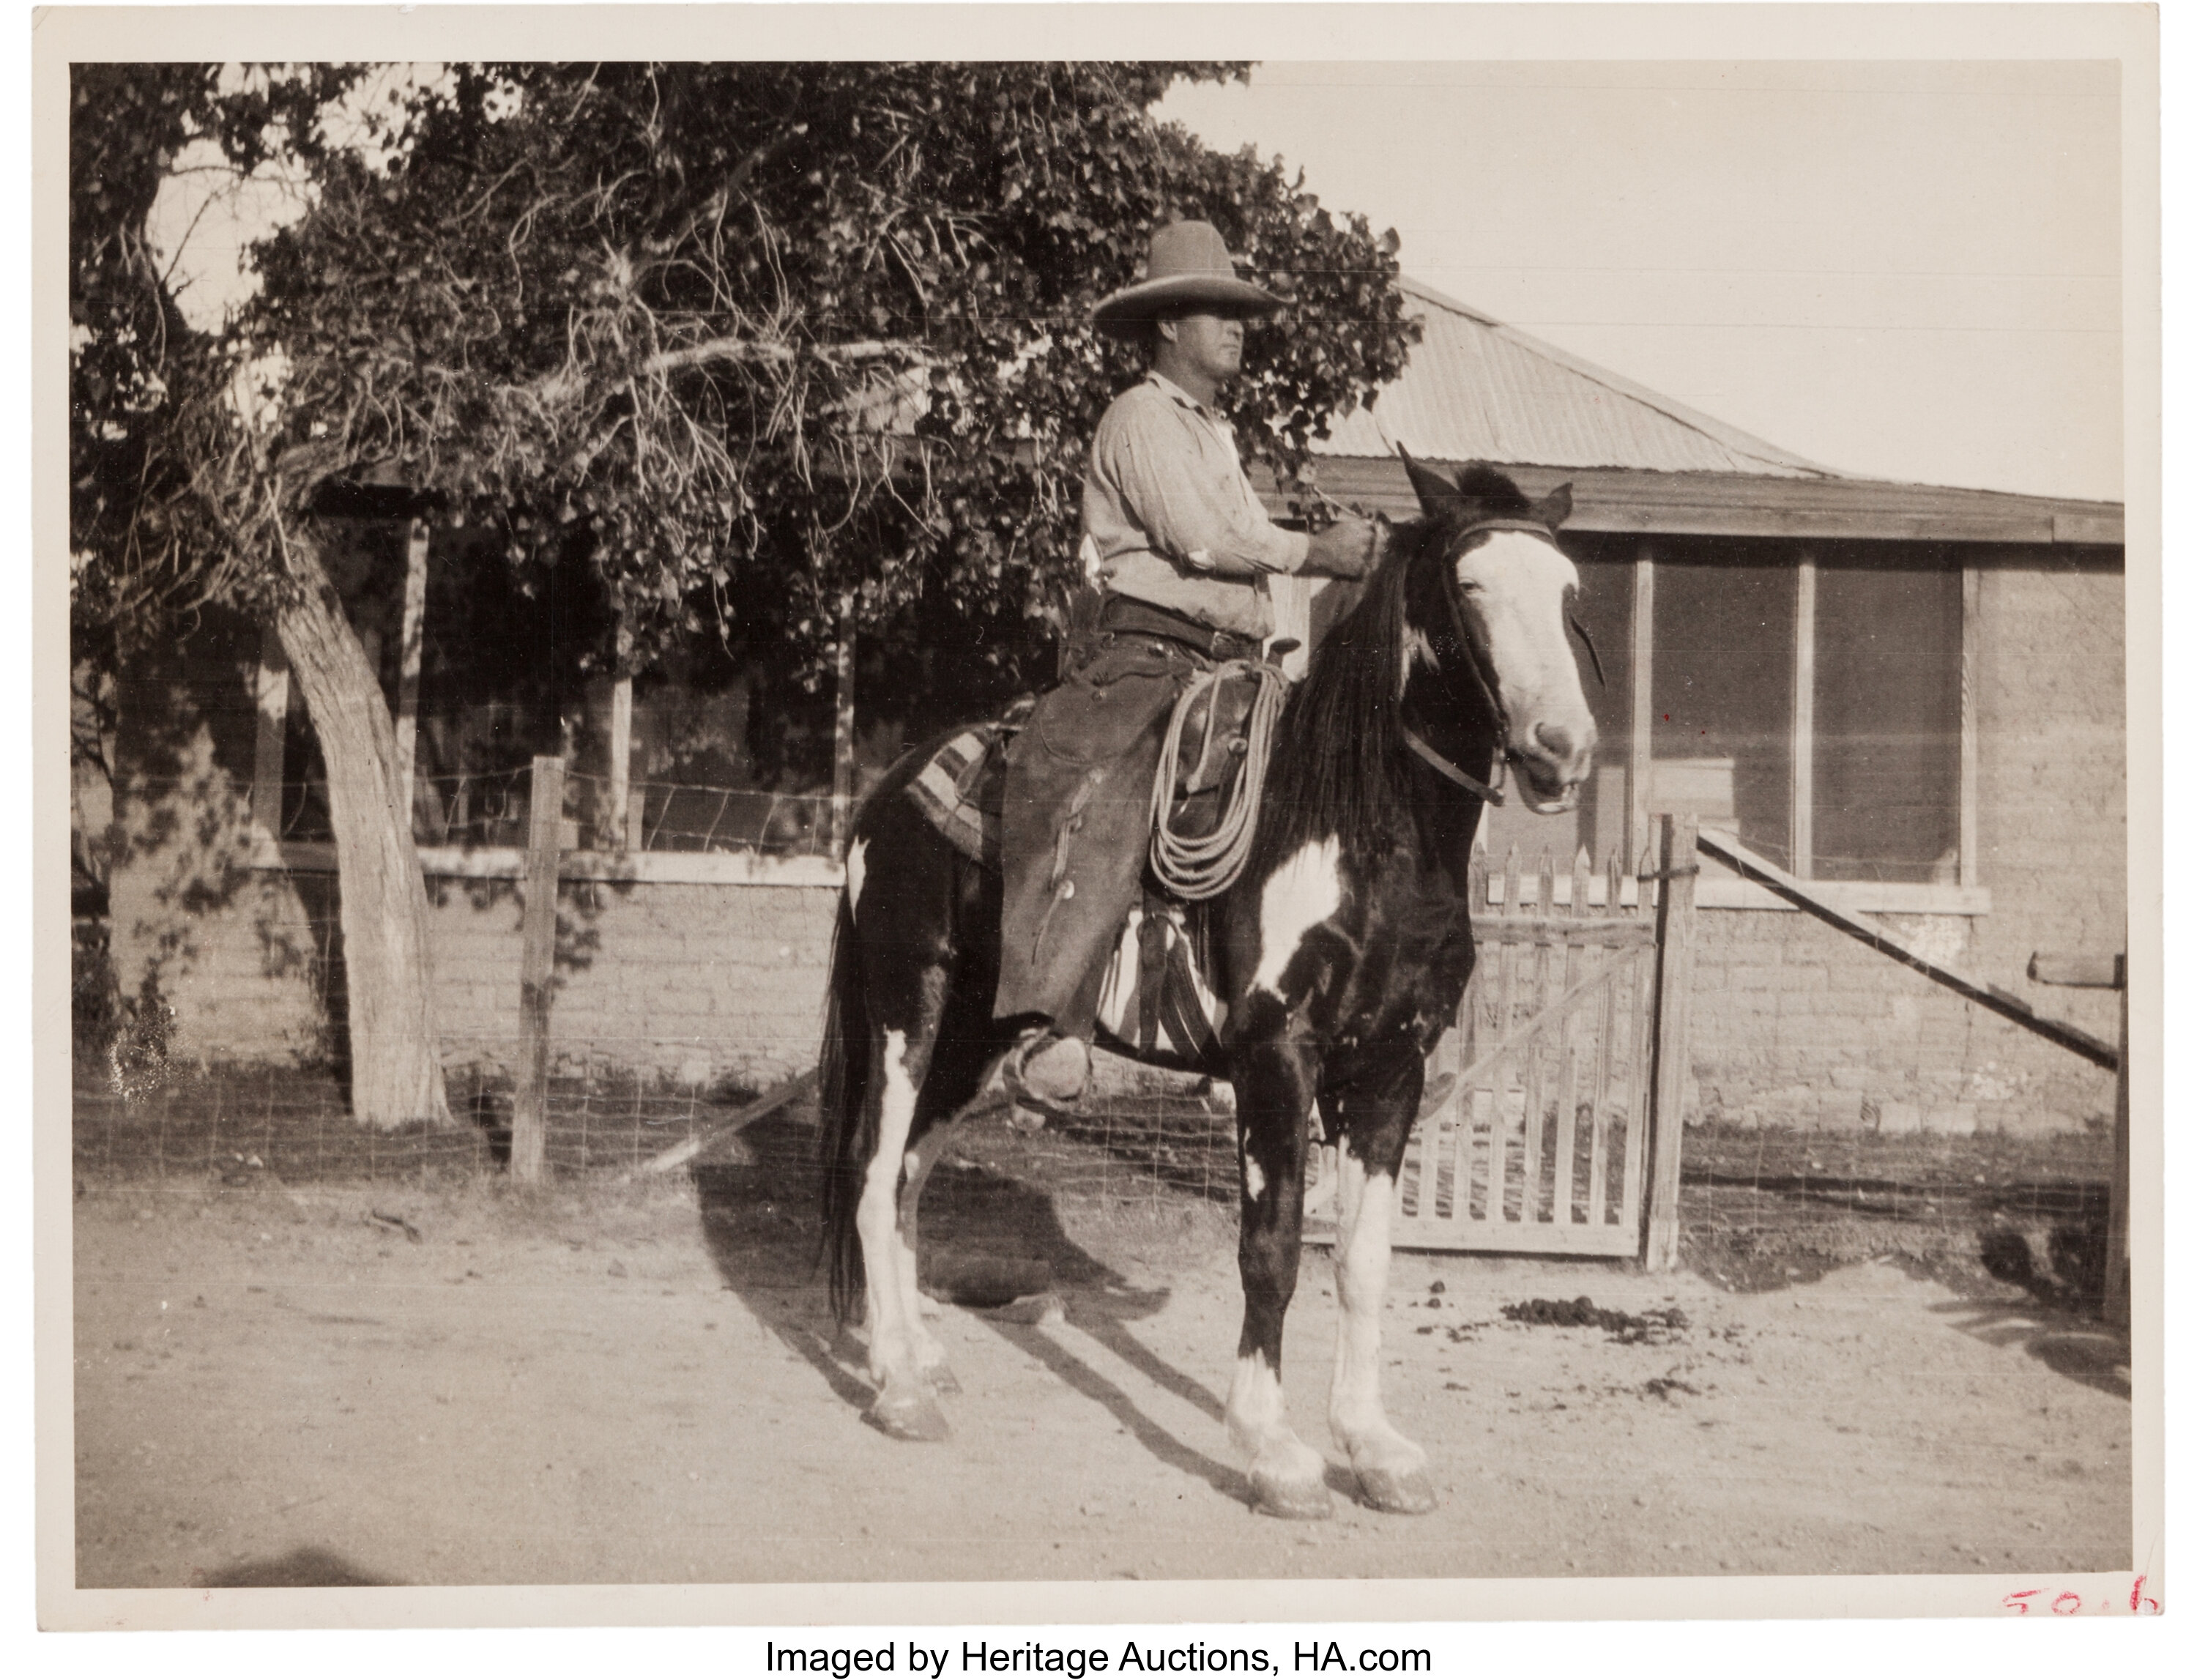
(1888, 721)
(1721, 735)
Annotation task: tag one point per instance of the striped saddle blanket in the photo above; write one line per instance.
(958, 789)
(1155, 1001)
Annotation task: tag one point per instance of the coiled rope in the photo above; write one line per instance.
(1203, 867)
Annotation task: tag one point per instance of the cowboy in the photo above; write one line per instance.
(1181, 550)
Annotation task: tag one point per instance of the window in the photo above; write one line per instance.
(1887, 702)
(1806, 697)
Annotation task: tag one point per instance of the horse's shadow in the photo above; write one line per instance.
(986, 1238)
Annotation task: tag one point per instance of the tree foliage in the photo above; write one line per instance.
(774, 347)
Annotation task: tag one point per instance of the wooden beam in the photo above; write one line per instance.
(1639, 768)
(272, 701)
(1727, 850)
(2048, 968)
(1971, 841)
(842, 734)
(768, 1104)
(408, 656)
(617, 820)
(1729, 504)
(530, 1108)
(1801, 813)
(2117, 1209)
(1674, 1001)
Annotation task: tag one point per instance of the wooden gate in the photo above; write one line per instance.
(1540, 1133)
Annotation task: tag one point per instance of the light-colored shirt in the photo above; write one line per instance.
(1168, 517)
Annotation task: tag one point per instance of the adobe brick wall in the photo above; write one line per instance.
(701, 984)
(1795, 1024)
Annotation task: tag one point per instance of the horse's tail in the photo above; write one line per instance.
(846, 1118)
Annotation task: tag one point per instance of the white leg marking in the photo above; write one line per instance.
(1255, 1181)
(929, 1354)
(1259, 1426)
(856, 867)
(1365, 1204)
(1303, 893)
(877, 1220)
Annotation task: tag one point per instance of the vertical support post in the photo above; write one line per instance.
(2117, 1218)
(1801, 812)
(272, 700)
(842, 734)
(529, 1118)
(1641, 767)
(1674, 974)
(1972, 599)
(615, 817)
(408, 662)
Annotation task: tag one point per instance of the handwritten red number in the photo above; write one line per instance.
(2073, 1601)
(2019, 1601)
(2138, 1604)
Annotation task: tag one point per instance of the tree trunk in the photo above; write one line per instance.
(396, 1067)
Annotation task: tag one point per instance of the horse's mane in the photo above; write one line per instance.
(1338, 763)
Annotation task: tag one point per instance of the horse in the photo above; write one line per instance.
(1341, 952)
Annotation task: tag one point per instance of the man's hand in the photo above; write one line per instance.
(1345, 549)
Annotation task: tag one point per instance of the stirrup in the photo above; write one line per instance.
(1018, 1093)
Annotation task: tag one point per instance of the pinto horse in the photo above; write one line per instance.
(1341, 954)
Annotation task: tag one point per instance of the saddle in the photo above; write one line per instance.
(1155, 998)
(961, 785)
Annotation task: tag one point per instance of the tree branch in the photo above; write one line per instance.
(762, 350)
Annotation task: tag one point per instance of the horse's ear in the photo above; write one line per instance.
(1432, 489)
(1554, 508)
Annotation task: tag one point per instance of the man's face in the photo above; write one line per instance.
(1212, 345)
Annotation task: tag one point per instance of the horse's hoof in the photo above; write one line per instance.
(1298, 1501)
(1406, 1492)
(907, 1415)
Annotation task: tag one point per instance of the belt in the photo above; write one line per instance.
(1126, 615)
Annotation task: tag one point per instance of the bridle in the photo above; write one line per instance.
(1478, 660)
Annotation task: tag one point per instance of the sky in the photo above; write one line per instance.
(1901, 271)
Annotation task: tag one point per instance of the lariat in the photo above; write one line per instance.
(1203, 868)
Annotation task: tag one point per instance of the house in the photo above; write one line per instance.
(1910, 695)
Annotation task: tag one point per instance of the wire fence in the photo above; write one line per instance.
(1759, 1207)
(491, 809)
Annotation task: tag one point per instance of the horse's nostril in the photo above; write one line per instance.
(1555, 738)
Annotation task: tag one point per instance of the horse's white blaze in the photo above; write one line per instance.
(856, 867)
(1518, 583)
(1365, 1204)
(1303, 893)
(877, 1219)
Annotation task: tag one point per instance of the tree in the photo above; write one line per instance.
(784, 353)
(177, 499)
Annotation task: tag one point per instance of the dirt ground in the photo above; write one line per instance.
(281, 1384)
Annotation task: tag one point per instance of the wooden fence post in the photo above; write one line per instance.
(1674, 985)
(2100, 972)
(529, 1116)
(2117, 1237)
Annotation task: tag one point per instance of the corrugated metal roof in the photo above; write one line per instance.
(1477, 389)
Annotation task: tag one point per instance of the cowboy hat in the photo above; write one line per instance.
(1189, 268)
